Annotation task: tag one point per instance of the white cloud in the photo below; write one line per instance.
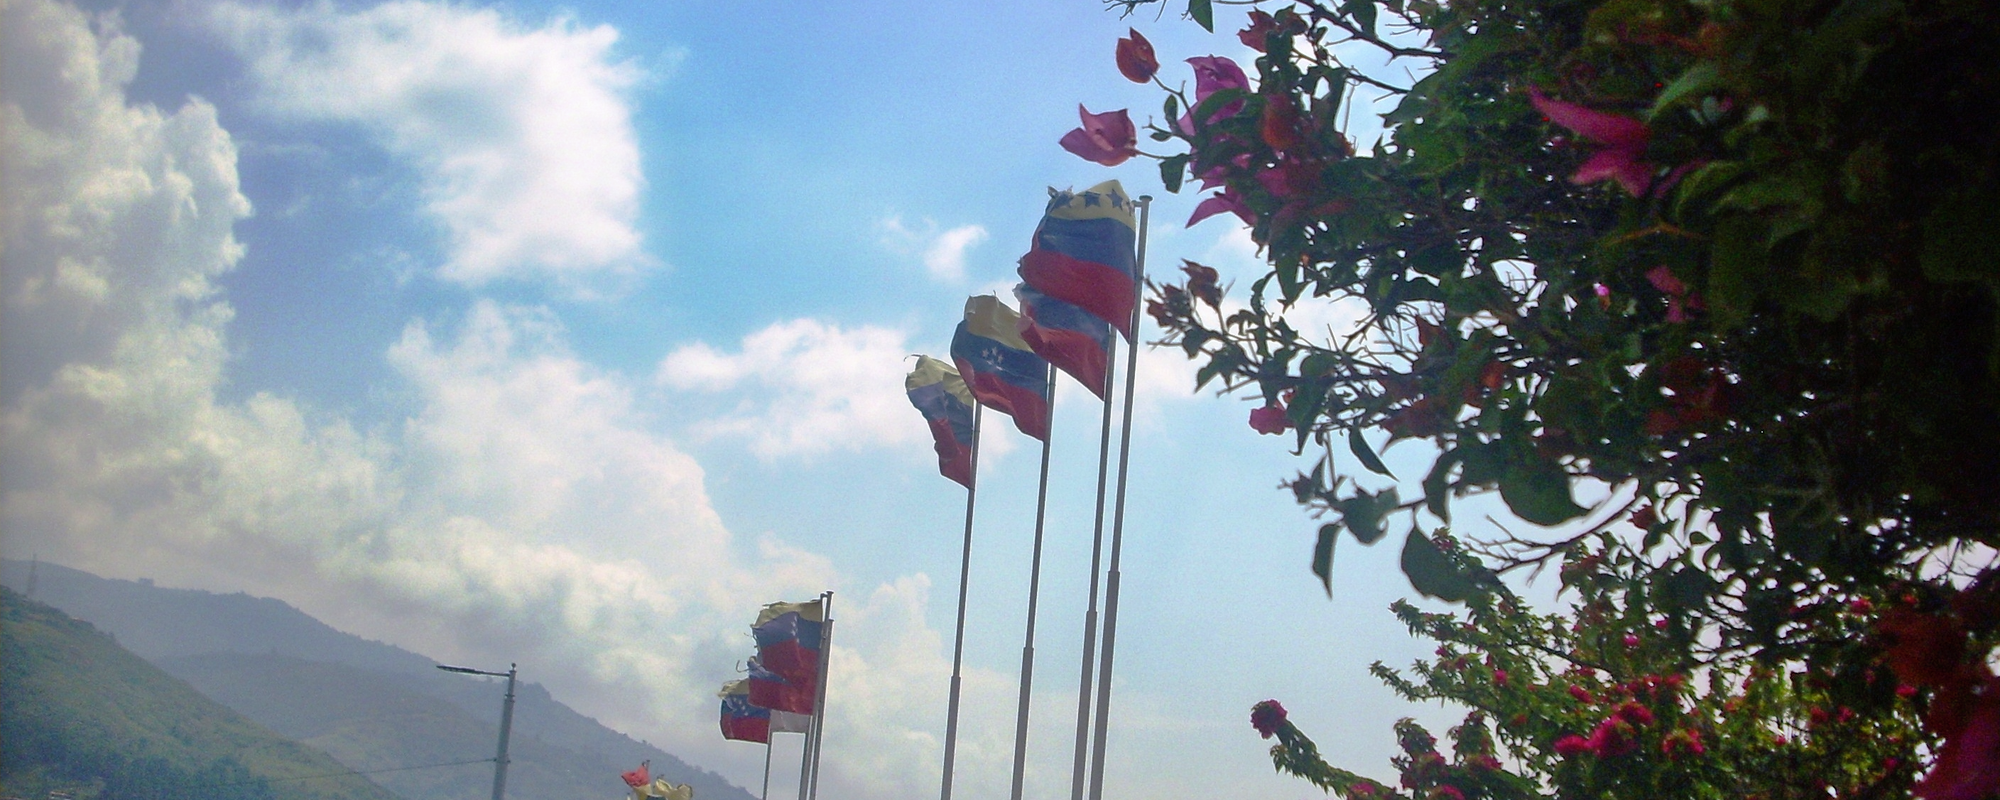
(523, 135)
(524, 511)
(818, 388)
(943, 251)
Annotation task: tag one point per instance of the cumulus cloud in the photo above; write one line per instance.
(524, 510)
(818, 388)
(523, 135)
(942, 251)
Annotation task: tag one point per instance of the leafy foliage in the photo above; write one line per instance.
(1722, 258)
(1605, 704)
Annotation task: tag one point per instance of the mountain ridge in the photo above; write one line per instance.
(252, 653)
(83, 716)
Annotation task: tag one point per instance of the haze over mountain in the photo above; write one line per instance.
(82, 716)
(370, 705)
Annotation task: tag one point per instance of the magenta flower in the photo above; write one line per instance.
(1135, 58)
(1226, 200)
(1269, 420)
(1624, 140)
(1218, 174)
(1572, 745)
(1106, 138)
(1679, 299)
(1213, 74)
(1266, 717)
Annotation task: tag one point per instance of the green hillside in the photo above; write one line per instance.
(368, 704)
(79, 713)
(369, 723)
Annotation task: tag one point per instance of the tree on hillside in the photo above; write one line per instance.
(1721, 262)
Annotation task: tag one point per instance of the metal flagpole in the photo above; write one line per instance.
(767, 768)
(958, 641)
(819, 703)
(1078, 772)
(1118, 519)
(1034, 592)
(805, 755)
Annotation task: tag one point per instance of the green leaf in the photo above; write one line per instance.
(1208, 372)
(1363, 13)
(1688, 588)
(1203, 14)
(1431, 572)
(1367, 455)
(1537, 490)
(1737, 262)
(1172, 108)
(1436, 488)
(1172, 169)
(1323, 555)
(1319, 365)
(1363, 514)
(1697, 78)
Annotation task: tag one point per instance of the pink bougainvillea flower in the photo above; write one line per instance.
(1106, 138)
(1213, 74)
(1635, 714)
(1260, 28)
(1269, 420)
(1286, 180)
(1225, 200)
(1135, 58)
(1613, 737)
(1218, 174)
(1623, 138)
(1572, 745)
(1266, 717)
(1679, 299)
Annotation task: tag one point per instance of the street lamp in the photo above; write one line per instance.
(506, 723)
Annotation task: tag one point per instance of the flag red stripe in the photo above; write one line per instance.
(1102, 290)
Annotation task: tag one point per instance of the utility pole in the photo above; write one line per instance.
(506, 723)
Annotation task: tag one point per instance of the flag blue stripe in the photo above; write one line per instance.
(1021, 368)
(1050, 312)
(936, 403)
(1101, 241)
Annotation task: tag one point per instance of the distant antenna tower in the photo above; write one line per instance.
(31, 575)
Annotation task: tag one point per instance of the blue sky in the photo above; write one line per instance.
(568, 334)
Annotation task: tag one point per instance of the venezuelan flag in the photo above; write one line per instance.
(1067, 336)
(936, 390)
(788, 639)
(1083, 254)
(742, 721)
(772, 691)
(1002, 371)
